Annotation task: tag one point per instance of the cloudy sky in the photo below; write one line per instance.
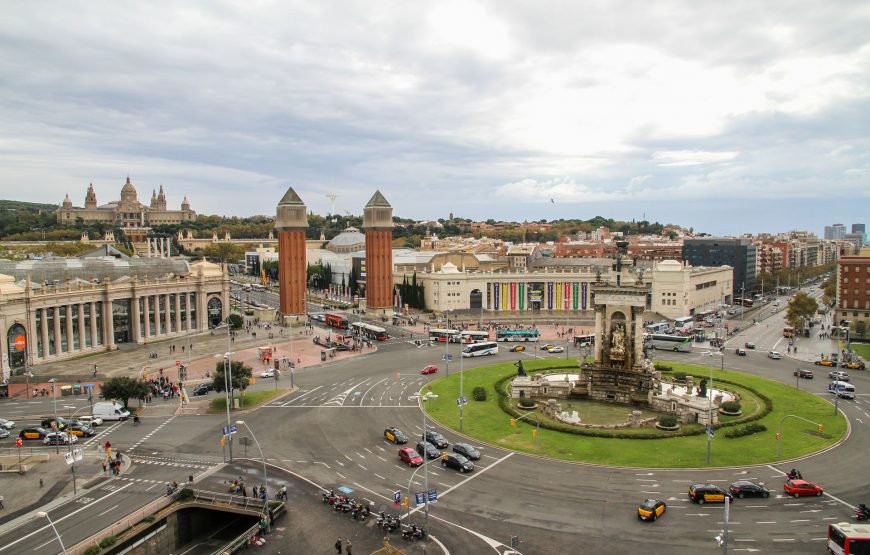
(728, 117)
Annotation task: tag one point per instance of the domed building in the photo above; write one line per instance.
(349, 240)
(127, 212)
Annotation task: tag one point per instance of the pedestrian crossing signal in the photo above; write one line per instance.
(513, 421)
(820, 428)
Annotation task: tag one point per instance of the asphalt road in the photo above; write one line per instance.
(330, 432)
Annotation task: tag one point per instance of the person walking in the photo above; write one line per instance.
(349, 547)
(338, 545)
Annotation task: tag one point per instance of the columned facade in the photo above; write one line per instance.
(378, 228)
(291, 223)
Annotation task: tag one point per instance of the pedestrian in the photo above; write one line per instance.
(256, 492)
(349, 547)
(338, 545)
(95, 370)
(40, 483)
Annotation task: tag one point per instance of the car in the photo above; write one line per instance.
(268, 373)
(92, 421)
(546, 347)
(80, 430)
(805, 374)
(203, 389)
(4, 433)
(731, 311)
(466, 451)
(859, 365)
(745, 488)
(749, 345)
(839, 375)
(824, 362)
(427, 449)
(651, 509)
(431, 369)
(7, 424)
(707, 493)
(59, 423)
(518, 348)
(556, 349)
(774, 355)
(435, 439)
(740, 352)
(410, 456)
(798, 488)
(457, 462)
(33, 432)
(59, 438)
(395, 435)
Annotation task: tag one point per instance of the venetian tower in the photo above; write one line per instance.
(291, 223)
(378, 228)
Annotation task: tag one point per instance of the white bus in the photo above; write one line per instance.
(843, 390)
(587, 340)
(258, 287)
(683, 322)
(470, 337)
(442, 335)
(678, 343)
(658, 327)
(369, 331)
(480, 349)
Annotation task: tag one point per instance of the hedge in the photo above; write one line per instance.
(479, 393)
(747, 430)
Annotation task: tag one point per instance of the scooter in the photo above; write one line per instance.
(413, 533)
(862, 512)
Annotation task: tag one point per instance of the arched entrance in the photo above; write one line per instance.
(215, 312)
(476, 299)
(16, 342)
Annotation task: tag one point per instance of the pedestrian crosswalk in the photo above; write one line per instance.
(170, 462)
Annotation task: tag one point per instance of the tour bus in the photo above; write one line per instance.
(788, 331)
(336, 320)
(480, 349)
(683, 322)
(847, 538)
(660, 327)
(587, 340)
(843, 390)
(369, 331)
(470, 337)
(744, 302)
(441, 334)
(246, 287)
(517, 335)
(258, 287)
(679, 343)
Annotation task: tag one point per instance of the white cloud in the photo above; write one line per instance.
(691, 157)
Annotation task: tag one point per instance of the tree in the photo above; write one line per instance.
(860, 328)
(123, 389)
(800, 309)
(830, 291)
(241, 375)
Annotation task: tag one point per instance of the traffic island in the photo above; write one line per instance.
(764, 402)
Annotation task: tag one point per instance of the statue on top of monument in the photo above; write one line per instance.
(521, 372)
(617, 341)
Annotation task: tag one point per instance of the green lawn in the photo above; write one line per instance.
(249, 400)
(486, 422)
(862, 349)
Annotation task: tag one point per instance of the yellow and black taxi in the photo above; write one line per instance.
(395, 435)
(824, 362)
(707, 493)
(80, 429)
(651, 509)
(33, 432)
(517, 348)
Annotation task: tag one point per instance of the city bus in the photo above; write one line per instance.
(744, 302)
(480, 349)
(660, 327)
(683, 322)
(788, 331)
(680, 343)
(470, 337)
(442, 335)
(335, 320)
(369, 331)
(517, 335)
(258, 287)
(587, 340)
(847, 538)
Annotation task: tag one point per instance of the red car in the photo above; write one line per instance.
(798, 488)
(431, 369)
(410, 456)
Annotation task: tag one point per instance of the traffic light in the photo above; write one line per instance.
(777, 436)
(535, 433)
(513, 421)
(820, 428)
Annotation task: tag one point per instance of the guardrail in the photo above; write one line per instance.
(215, 498)
(238, 542)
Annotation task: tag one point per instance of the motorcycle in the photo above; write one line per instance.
(862, 512)
(413, 533)
(794, 474)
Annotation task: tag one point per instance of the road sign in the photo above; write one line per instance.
(433, 496)
(447, 357)
(463, 400)
(18, 442)
(420, 498)
(397, 498)
(710, 430)
(77, 454)
(68, 457)
(231, 429)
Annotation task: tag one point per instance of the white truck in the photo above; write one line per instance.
(111, 410)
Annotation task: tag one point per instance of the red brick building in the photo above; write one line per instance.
(853, 290)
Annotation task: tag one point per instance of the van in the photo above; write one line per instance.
(110, 410)
(843, 390)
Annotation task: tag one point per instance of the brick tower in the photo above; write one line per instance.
(291, 223)
(378, 228)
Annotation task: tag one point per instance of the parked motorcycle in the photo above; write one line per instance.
(862, 512)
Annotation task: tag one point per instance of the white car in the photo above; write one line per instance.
(774, 355)
(268, 374)
(839, 375)
(92, 420)
(8, 424)
(556, 349)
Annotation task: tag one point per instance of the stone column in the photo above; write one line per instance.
(599, 332)
(156, 316)
(378, 227)
(187, 309)
(93, 322)
(70, 344)
(167, 328)
(134, 319)
(57, 342)
(638, 335)
(82, 342)
(43, 331)
(147, 315)
(108, 324)
(178, 313)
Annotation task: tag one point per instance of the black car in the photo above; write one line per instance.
(457, 461)
(33, 432)
(745, 488)
(203, 389)
(435, 439)
(740, 352)
(805, 374)
(395, 435)
(427, 450)
(707, 493)
(466, 451)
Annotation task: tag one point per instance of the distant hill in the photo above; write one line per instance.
(28, 206)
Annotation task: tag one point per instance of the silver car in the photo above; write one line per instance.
(6, 424)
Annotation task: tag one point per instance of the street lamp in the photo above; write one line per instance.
(423, 398)
(710, 399)
(43, 514)
(228, 383)
(56, 427)
(447, 344)
(262, 456)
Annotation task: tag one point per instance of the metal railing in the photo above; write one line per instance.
(244, 502)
